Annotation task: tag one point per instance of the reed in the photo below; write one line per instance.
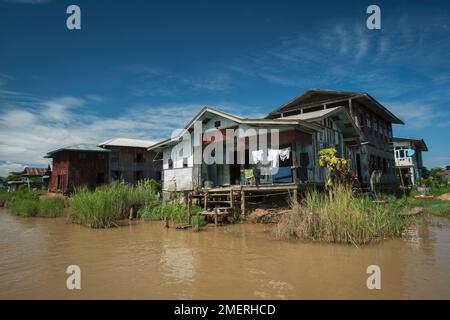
(5, 198)
(51, 207)
(342, 217)
(175, 211)
(105, 206)
(24, 203)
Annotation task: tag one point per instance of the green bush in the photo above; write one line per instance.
(103, 207)
(51, 207)
(342, 217)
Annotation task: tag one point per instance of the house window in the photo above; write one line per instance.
(170, 163)
(217, 124)
(139, 157)
(185, 162)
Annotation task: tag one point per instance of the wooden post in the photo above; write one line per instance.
(166, 221)
(189, 208)
(231, 200)
(242, 203)
(205, 202)
(294, 165)
(131, 216)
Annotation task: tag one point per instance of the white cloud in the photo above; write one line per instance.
(416, 114)
(61, 109)
(6, 167)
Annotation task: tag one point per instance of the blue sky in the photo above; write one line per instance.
(140, 69)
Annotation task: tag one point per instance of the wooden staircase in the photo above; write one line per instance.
(220, 205)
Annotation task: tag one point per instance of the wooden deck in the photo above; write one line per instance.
(222, 202)
(261, 187)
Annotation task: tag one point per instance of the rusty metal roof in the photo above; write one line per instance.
(34, 172)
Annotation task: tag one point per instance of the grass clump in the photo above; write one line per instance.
(339, 216)
(24, 203)
(175, 211)
(434, 206)
(197, 221)
(106, 205)
(5, 198)
(51, 207)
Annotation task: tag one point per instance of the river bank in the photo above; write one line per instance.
(144, 260)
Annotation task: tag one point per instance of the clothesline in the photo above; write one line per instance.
(273, 156)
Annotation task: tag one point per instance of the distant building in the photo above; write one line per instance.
(36, 177)
(408, 159)
(131, 161)
(78, 166)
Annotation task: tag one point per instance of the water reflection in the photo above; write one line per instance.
(146, 261)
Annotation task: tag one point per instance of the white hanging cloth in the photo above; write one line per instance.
(273, 157)
(257, 156)
(285, 153)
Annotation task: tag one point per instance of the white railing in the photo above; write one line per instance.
(403, 162)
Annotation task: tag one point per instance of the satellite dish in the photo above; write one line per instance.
(410, 152)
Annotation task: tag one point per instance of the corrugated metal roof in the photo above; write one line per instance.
(123, 142)
(34, 171)
(78, 147)
(313, 115)
(310, 127)
(333, 96)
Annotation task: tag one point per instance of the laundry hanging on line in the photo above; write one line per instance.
(273, 156)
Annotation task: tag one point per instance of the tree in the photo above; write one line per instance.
(338, 169)
(437, 174)
(13, 176)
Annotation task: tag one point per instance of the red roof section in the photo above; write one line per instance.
(34, 171)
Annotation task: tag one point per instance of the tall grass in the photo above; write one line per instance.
(51, 207)
(24, 203)
(5, 198)
(103, 207)
(341, 217)
(173, 210)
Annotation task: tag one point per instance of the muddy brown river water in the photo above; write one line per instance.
(146, 261)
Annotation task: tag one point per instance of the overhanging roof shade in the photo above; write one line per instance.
(342, 118)
(77, 147)
(307, 126)
(419, 144)
(317, 97)
(124, 142)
